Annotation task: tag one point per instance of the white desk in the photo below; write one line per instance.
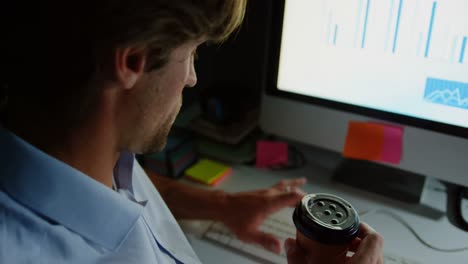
(398, 240)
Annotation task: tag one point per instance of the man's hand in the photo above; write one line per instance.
(246, 211)
(241, 212)
(368, 248)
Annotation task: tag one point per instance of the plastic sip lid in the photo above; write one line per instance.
(326, 218)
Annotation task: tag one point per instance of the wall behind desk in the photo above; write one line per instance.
(237, 63)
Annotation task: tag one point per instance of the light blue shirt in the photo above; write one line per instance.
(53, 213)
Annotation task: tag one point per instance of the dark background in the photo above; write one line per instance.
(235, 67)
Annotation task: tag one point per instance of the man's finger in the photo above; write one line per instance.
(365, 230)
(285, 199)
(355, 244)
(268, 241)
(298, 182)
(294, 253)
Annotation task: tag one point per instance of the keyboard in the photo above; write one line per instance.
(281, 225)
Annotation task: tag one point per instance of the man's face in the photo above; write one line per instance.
(157, 100)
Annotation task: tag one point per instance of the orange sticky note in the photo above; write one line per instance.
(364, 141)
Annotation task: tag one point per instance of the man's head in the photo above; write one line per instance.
(64, 59)
(153, 99)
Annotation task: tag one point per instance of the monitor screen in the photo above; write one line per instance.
(398, 61)
(403, 57)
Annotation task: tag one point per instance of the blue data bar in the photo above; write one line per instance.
(366, 18)
(431, 25)
(446, 92)
(462, 52)
(397, 27)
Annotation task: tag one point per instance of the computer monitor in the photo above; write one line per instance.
(394, 61)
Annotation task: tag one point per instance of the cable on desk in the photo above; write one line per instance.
(436, 189)
(411, 229)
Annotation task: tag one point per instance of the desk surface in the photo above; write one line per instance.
(399, 240)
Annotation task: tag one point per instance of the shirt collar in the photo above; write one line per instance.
(123, 171)
(65, 195)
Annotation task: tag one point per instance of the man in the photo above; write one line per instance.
(88, 83)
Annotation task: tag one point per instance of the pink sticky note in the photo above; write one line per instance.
(393, 144)
(270, 153)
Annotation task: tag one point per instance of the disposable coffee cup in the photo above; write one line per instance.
(326, 225)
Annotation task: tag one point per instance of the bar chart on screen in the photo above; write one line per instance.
(407, 57)
(426, 29)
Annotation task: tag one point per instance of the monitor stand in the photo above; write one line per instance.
(381, 179)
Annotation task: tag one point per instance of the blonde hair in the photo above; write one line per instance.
(163, 25)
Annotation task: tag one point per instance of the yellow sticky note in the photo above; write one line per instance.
(207, 171)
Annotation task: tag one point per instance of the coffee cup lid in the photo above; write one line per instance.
(326, 218)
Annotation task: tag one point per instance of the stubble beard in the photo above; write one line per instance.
(158, 141)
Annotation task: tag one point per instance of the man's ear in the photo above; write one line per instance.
(129, 65)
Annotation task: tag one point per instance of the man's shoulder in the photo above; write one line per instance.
(14, 214)
(20, 232)
(27, 236)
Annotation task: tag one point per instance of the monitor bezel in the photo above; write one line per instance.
(271, 77)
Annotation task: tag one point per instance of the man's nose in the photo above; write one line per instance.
(192, 79)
